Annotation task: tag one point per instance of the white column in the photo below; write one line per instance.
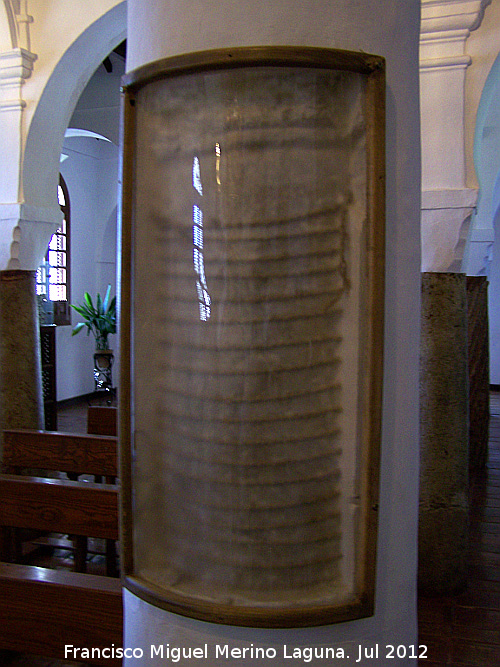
(15, 67)
(25, 233)
(447, 202)
(171, 27)
(20, 236)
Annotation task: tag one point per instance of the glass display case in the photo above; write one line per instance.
(251, 315)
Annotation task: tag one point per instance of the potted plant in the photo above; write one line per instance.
(100, 320)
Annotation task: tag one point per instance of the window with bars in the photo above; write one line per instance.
(52, 277)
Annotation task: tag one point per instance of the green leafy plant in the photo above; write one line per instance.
(100, 320)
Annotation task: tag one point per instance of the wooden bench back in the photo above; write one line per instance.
(101, 419)
(54, 450)
(41, 610)
(61, 506)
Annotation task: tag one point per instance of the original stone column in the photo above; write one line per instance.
(479, 373)
(443, 521)
(21, 401)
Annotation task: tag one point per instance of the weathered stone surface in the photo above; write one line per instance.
(442, 550)
(443, 525)
(479, 375)
(21, 402)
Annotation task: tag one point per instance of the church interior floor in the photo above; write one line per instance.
(461, 630)
(464, 630)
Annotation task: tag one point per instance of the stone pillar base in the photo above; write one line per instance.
(444, 507)
(21, 401)
(479, 373)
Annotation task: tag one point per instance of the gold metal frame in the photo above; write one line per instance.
(373, 68)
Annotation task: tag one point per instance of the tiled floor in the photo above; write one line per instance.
(464, 630)
(460, 631)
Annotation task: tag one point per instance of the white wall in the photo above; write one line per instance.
(170, 27)
(69, 44)
(461, 140)
(66, 41)
(91, 173)
(62, 43)
(483, 155)
(483, 47)
(448, 198)
(98, 107)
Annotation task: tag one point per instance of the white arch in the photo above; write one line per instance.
(484, 246)
(487, 97)
(57, 102)
(486, 153)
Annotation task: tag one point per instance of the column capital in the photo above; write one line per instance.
(24, 234)
(444, 28)
(16, 64)
(15, 67)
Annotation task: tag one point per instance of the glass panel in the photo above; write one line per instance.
(41, 280)
(57, 292)
(250, 235)
(57, 275)
(50, 282)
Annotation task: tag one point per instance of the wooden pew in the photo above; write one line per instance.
(102, 419)
(43, 610)
(55, 450)
(59, 506)
(69, 453)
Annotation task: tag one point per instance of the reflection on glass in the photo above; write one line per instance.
(217, 163)
(197, 176)
(199, 265)
(244, 453)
